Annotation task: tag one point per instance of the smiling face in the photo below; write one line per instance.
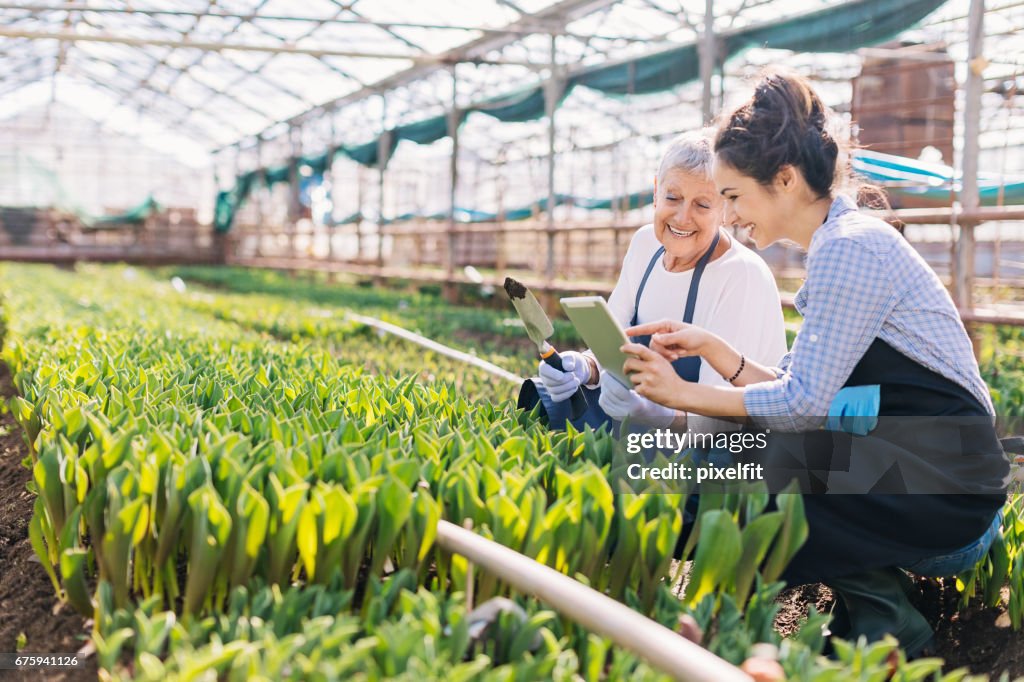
(687, 213)
(749, 204)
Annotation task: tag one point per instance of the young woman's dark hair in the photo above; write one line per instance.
(785, 123)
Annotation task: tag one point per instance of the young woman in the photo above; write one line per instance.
(875, 317)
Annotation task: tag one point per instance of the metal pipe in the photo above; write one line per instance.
(73, 37)
(943, 214)
(969, 200)
(706, 55)
(488, 30)
(903, 53)
(383, 149)
(453, 170)
(438, 348)
(669, 652)
(551, 97)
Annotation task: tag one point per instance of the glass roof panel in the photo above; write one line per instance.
(447, 13)
(532, 6)
(369, 70)
(433, 40)
(214, 28)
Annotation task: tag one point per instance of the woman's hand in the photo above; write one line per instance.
(619, 402)
(653, 376)
(673, 339)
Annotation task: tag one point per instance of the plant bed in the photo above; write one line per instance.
(28, 605)
(257, 500)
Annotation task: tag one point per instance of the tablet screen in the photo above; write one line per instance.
(594, 321)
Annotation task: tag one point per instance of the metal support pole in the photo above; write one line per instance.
(329, 176)
(360, 185)
(707, 59)
(550, 100)
(453, 173)
(258, 197)
(964, 281)
(500, 259)
(383, 149)
(295, 181)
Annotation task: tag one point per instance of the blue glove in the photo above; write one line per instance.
(854, 410)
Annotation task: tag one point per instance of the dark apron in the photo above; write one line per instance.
(949, 433)
(533, 391)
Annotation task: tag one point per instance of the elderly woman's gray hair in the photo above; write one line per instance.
(690, 152)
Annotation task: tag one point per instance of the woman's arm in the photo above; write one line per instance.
(654, 378)
(672, 340)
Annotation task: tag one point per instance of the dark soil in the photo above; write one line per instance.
(28, 604)
(794, 604)
(978, 638)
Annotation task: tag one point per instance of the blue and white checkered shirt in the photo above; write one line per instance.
(864, 281)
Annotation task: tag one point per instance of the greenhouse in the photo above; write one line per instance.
(512, 340)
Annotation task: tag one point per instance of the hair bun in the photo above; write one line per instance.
(784, 123)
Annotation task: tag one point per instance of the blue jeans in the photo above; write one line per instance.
(961, 559)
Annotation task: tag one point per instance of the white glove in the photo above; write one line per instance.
(562, 385)
(619, 402)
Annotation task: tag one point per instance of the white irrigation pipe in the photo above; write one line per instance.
(436, 347)
(669, 652)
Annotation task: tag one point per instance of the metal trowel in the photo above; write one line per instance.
(539, 329)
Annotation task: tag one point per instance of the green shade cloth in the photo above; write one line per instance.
(524, 105)
(132, 216)
(277, 175)
(347, 220)
(318, 164)
(229, 201)
(654, 73)
(836, 29)
(365, 154)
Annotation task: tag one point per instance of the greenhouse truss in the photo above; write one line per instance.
(263, 85)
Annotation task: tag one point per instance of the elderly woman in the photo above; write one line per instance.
(684, 267)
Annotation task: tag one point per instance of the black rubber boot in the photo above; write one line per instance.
(875, 604)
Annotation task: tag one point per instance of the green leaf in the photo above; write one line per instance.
(718, 551)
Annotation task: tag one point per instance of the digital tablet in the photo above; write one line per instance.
(594, 321)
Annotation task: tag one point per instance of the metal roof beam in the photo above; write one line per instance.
(205, 46)
(527, 29)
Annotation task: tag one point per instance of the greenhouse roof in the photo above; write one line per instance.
(196, 76)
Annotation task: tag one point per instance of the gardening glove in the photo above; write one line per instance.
(562, 385)
(854, 410)
(619, 402)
